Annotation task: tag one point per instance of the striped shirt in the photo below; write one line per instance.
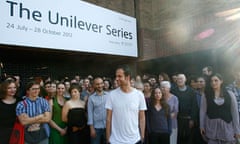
(32, 108)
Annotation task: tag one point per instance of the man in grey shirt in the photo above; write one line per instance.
(97, 112)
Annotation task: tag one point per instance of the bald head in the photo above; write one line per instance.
(98, 84)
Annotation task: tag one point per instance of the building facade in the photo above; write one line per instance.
(172, 36)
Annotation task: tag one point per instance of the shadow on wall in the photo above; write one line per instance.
(192, 63)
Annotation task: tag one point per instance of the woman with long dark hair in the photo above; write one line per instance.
(219, 120)
(159, 120)
(58, 127)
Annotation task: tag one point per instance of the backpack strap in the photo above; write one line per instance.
(25, 103)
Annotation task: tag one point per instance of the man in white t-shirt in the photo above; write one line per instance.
(125, 111)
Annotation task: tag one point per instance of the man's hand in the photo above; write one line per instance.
(93, 133)
(191, 124)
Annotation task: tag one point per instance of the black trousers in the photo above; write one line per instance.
(185, 134)
(159, 138)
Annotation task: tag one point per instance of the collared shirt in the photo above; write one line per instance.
(236, 91)
(32, 108)
(96, 110)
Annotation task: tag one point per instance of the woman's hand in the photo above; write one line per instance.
(63, 132)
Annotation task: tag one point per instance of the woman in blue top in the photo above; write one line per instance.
(159, 120)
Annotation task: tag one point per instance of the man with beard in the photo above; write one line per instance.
(125, 111)
(97, 112)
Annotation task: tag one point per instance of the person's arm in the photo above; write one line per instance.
(90, 118)
(108, 124)
(203, 111)
(169, 119)
(141, 114)
(46, 112)
(62, 131)
(142, 124)
(235, 114)
(175, 108)
(193, 109)
(45, 119)
(92, 131)
(25, 119)
(65, 110)
(52, 123)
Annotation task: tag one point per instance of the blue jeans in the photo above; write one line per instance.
(100, 136)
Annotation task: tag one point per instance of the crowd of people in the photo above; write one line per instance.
(126, 110)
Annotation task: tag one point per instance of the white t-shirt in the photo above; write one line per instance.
(125, 115)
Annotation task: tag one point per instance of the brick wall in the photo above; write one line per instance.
(172, 27)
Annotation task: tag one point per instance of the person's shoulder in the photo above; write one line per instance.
(137, 91)
(67, 104)
(174, 90)
(231, 95)
(230, 86)
(52, 101)
(137, 94)
(91, 95)
(20, 103)
(117, 90)
(229, 92)
(190, 90)
(174, 97)
(106, 92)
(24, 103)
(42, 99)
